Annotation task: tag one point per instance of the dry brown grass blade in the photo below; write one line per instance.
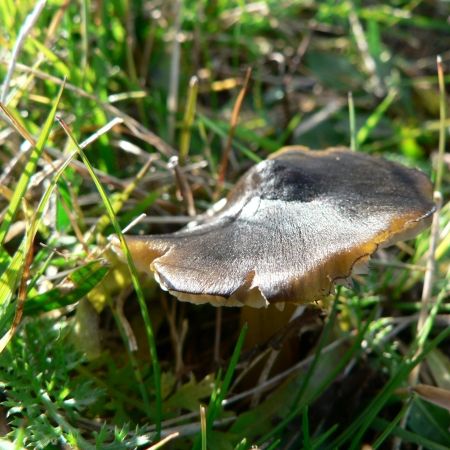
(164, 441)
(434, 237)
(53, 153)
(132, 124)
(233, 122)
(17, 125)
(433, 394)
(203, 425)
(431, 264)
(21, 297)
(264, 376)
(427, 291)
(120, 314)
(318, 117)
(27, 136)
(183, 186)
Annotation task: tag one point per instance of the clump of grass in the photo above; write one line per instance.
(128, 100)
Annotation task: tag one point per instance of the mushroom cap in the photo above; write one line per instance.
(293, 225)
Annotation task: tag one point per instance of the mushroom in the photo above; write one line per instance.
(292, 227)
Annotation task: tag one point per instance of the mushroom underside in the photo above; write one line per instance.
(225, 263)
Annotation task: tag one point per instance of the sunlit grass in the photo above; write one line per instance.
(60, 200)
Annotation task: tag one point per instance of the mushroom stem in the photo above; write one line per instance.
(218, 335)
(263, 324)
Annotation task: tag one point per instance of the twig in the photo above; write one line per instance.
(164, 441)
(96, 253)
(101, 131)
(159, 220)
(190, 429)
(249, 366)
(103, 176)
(31, 142)
(24, 31)
(273, 355)
(319, 117)
(177, 337)
(281, 376)
(133, 223)
(233, 122)
(269, 384)
(294, 63)
(183, 186)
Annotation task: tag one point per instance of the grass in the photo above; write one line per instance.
(96, 356)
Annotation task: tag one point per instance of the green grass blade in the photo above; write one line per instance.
(29, 170)
(84, 278)
(188, 119)
(10, 278)
(374, 118)
(356, 345)
(223, 133)
(357, 429)
(305, 429)
(223, 390)
(392, 425)
(275, 445)
(220, 392)
(318, 441)
(409, 436)
(135, 280)
(352, 121)
(323, 338)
